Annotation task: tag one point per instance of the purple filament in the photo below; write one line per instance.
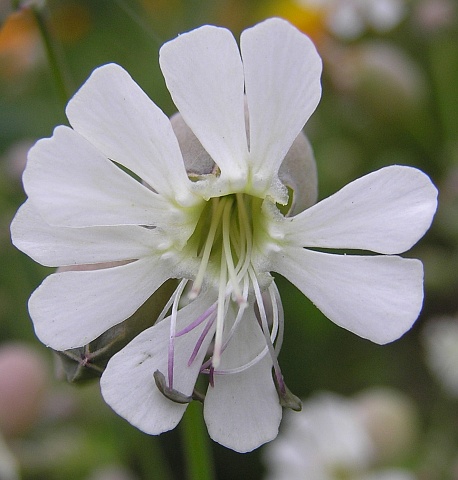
(200, 340)
(197, 321)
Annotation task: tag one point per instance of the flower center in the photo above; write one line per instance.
(227, 237)
(224, 240)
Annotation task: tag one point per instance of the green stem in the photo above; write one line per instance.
(53, 57)
(197, 448)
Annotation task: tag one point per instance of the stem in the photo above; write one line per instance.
(53, 57)
(197, 449)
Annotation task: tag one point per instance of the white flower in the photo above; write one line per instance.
(221, 233)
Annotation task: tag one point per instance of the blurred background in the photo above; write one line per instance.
(390, 96)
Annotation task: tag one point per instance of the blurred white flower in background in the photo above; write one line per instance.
(325, 440)
(349, 19)
(434, 15)
(440, 336)
(336, 437)
(392, 420)
(9, 467)
(379, 72)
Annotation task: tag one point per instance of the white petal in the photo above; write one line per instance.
(377, 297)
(204, 75)
(386, 211)
(242, 410)
(116, 116)
(57, 246)
(282, 82)
(128, 384)
(70, 309)
(72, 184)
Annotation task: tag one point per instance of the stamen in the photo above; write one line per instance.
(277, 328)
(286, 397)
(265, 330)
(173, 323)
(220, 313)
(175, 395)
(207, 249)
(238, 318)
(228, 253)
(241, 246)
(168, 392)
(200, 340)
(278, 315)
(245, 233)
(197, 321)
(242, 368)
(167, 306)
(205, 366)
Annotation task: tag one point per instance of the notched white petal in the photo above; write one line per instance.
(114, 114)
(297, 171)
(72, 308)
(386, 211)
(248, 398)
(204, 75)
(58, 246)
(128, 383)
(282, 83)
(376, 297)
(72, 184)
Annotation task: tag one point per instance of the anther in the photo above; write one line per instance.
(170, 393)
(286, 397)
